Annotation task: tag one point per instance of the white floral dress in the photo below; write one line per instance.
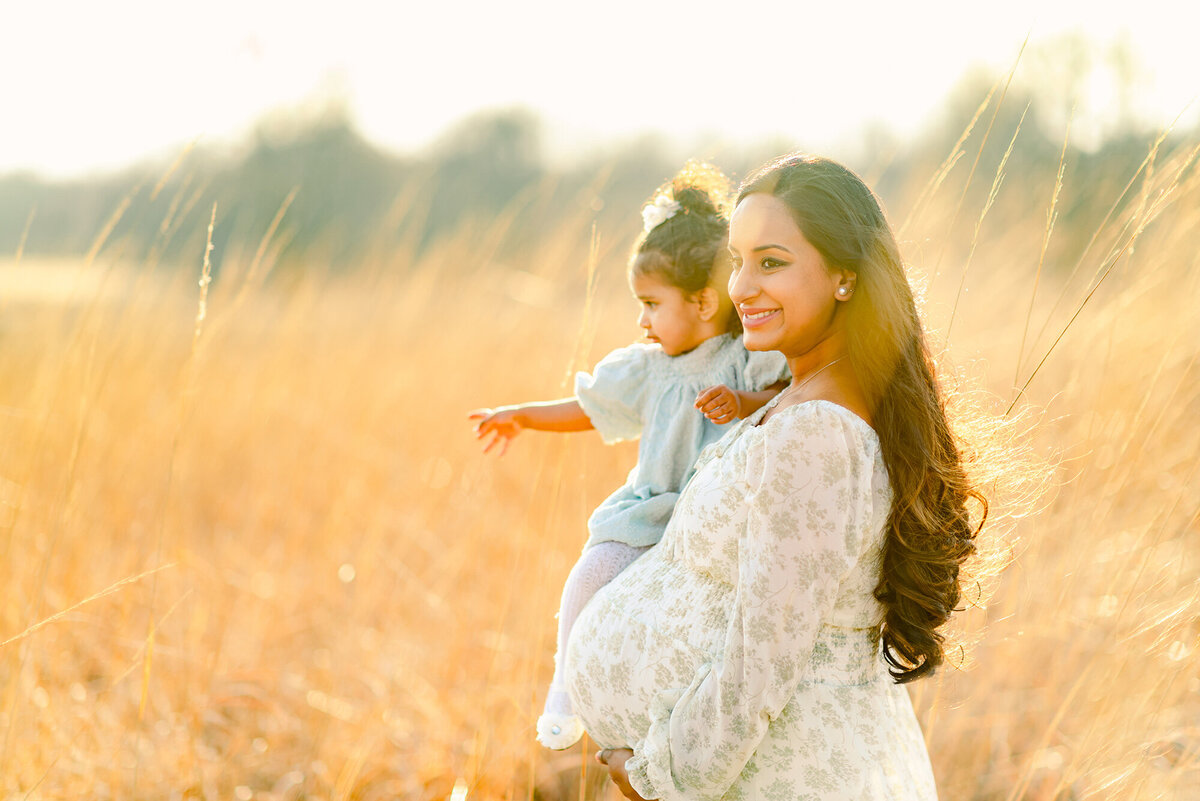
(740, 657)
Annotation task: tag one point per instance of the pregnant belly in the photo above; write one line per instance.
(649, 632)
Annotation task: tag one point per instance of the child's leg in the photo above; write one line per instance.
(597, 566)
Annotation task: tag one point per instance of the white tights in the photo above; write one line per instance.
(597, 566)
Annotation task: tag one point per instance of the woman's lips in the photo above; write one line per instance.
(754, 318)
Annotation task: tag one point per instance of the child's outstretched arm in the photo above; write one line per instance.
(722, 404)
(505, 422)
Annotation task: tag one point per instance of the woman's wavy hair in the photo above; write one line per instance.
(929, 529)
(690, 250)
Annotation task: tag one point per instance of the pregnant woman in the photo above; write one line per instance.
(759, 651)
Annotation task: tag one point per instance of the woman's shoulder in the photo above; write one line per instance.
(815, 443)
(814, 411)
(813, 421)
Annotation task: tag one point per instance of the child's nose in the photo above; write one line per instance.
(644, 319)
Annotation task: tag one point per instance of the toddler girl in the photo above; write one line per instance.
(676, 393)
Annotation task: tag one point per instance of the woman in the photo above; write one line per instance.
(757, 651)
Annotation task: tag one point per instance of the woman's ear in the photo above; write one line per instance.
(708, 302)
(846, 283)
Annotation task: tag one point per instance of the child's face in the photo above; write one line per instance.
(668, 315)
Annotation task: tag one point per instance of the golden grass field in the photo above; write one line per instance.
(260, 555)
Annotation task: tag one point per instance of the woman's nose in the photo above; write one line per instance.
(741, 286)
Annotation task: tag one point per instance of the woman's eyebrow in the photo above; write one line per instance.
(770, 247)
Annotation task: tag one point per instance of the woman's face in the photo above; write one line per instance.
(783, 292)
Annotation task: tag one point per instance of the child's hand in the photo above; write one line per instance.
(502, 424)
(719, 404)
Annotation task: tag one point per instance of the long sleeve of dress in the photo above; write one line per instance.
(804, 532)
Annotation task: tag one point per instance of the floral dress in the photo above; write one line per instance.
(740, 658)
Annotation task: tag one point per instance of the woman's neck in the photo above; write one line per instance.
(824, 353)
(825, 372)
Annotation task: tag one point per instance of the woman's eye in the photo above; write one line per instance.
(770, 264)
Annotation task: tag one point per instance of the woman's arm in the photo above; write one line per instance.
(803, 535)
(505, 422)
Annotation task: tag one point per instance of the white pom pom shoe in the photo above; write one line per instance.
(558, 731)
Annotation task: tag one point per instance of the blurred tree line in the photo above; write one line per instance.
(350, 200)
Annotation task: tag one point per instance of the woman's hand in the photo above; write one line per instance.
(503, 424)
(719, 404)
(614, 759)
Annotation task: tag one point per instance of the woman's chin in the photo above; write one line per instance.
(753, 342)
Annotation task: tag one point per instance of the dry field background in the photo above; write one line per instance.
(259, 555)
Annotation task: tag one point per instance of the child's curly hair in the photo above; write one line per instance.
(689, 250)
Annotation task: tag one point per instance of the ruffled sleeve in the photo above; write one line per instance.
(613, 395)
(764, 368)
(809, 483)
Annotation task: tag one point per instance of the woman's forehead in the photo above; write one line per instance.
(760, 217)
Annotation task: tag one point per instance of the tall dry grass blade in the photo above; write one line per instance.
(185, 394)
(979, 153)
(109, 590)
(171, 168)
(1050, 729)
(261, 251)
(501, 224)
(587, 328)
(343, 788)
(1051, 216)
(991, 199)
(205, 279)
(105, 232)
(172, 221)
(1112, 209)
(939, 176)
(1148, 216)
(20, 251)
(1160, 532)
(25, 235)
(42, 778)
(1138, 432)
(253, 278)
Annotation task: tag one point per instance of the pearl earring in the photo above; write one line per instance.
(843, 291)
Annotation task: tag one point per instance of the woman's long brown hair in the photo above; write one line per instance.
(929, 529)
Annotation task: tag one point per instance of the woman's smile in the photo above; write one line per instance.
(755, 318)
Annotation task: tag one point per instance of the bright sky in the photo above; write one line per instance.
(88, 86)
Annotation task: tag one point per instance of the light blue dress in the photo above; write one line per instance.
(639, 391)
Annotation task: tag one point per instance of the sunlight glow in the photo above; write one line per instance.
(144, 78)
